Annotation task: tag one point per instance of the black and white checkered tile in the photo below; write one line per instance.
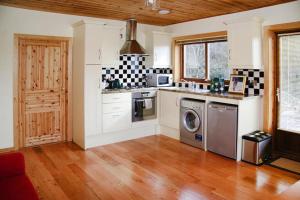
(255, 80)
(188, 85)
(132, 71)
(254, 83)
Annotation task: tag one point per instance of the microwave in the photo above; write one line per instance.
(159, 80)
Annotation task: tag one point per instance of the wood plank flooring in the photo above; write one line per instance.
(155, 167)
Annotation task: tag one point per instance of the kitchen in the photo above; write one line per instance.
(131, 80)
(124, 104)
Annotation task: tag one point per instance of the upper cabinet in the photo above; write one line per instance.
(245, 44)
(158, 46)
(110, 46)
(101, 43)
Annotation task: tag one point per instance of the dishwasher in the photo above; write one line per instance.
(222, 122)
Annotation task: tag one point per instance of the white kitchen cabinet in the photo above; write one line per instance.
(92, 37)
(245, 44)
(116, 112)
(92, 100)
(101, 43)
(169, 109)
(158, 46)
(110, 46)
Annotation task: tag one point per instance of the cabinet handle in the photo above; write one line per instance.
(177, 101)
(116, 108)
(115, 115)
(229, 54)
(116, 98)
(155, 57)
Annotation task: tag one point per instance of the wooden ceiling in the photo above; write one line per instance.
(181, 10)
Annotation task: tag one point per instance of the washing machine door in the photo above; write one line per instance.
(191, 121)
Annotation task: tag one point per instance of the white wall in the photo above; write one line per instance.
(14, 20)
(282, 13)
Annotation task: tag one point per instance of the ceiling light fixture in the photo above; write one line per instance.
(153, 4)
(164, 12)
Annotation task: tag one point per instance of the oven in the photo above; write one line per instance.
(143, 105)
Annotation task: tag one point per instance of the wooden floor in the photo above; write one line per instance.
(155, 167)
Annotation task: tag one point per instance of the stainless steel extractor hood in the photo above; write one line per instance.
(131, 46)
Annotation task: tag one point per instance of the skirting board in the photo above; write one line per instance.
(169, 132)
(109, 138)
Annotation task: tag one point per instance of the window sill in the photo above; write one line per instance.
(205, 81)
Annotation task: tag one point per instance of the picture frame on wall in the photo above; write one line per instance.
(237, 84)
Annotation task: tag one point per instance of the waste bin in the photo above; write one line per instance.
(256, 147)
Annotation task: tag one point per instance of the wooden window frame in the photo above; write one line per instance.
(177, 52)
(206, 80)
(270, 65)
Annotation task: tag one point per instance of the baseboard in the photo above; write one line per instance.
(114, 137)
(5, 150)
(170, 132)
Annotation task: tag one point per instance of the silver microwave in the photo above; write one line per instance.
(159, 80)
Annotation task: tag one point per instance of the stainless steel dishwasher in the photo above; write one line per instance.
(222, 122)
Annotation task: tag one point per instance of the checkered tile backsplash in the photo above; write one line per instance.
(254, 84)
(132, 71)
(255, 80)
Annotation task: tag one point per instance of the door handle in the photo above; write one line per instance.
(278, 94)
(177, 101)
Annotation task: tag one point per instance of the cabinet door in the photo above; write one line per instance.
(116, 112)
(92, 100)
(244, 45)
(161, 50)
(117, 121)
(110, 47)
(93, 44)
(169, 109)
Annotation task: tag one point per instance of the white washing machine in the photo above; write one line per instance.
(192, 122)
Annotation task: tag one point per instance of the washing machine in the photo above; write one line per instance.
(192, 122)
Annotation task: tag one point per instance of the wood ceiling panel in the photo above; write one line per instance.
(181, 10)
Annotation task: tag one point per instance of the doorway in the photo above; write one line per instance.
(42, 90)
(287, 104)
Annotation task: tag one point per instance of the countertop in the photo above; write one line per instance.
(184, 90)
(208, 93)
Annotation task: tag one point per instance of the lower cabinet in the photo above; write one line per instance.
(92, 100)
(116, 112)
(169, 109)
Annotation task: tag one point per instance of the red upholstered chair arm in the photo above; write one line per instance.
(11, 164)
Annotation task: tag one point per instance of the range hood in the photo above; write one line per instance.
(131, 46)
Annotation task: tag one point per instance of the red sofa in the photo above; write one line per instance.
(14, 184)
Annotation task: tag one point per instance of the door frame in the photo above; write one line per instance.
(271, 61)
(16, 130)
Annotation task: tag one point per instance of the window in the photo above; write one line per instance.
(205, 60)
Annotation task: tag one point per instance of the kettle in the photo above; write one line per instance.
(116, 84)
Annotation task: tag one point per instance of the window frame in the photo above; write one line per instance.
(206, 80)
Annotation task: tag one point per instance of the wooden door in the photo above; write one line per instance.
(287, 137)
(42, 90)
